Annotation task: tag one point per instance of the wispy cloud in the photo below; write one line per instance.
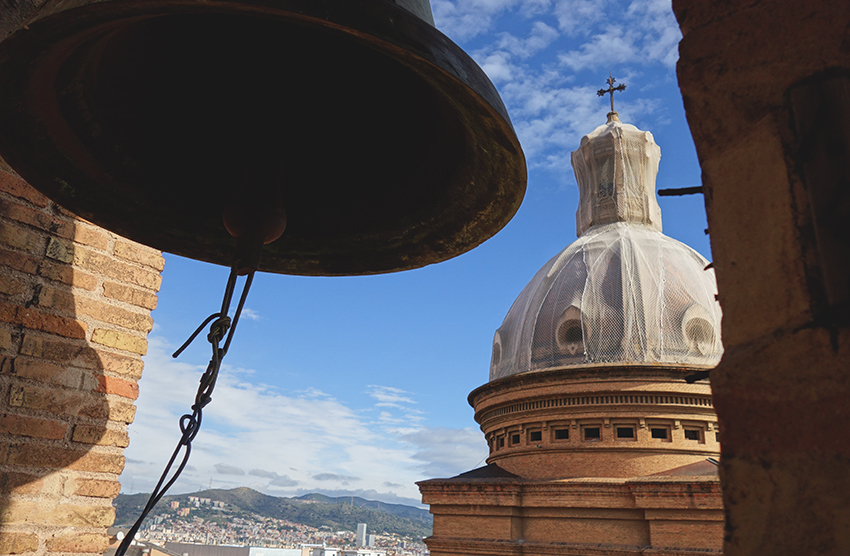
(576, 17)
(276, 480)
(226, 469)
(443, 452)
(250, 314)
(540, 37)
(541, 67)
(389, 396)
(334, 477)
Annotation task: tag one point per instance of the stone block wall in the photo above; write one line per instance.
(75, 303)
(766, 89)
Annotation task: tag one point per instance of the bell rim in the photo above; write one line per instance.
(443, 56)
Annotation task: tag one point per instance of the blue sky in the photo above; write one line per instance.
(358, 385)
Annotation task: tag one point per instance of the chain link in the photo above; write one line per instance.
(221, 329)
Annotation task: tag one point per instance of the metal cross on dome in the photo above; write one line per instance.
(610, 90)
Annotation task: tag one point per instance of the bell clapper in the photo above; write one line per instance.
(255, 216)
(254, 222)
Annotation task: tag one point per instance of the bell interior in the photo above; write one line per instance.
(368, 155)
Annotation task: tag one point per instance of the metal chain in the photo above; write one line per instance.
(221, 329)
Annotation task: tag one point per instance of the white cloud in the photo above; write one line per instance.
(576, 16)
(276, 480)
(550, 107)
(443, 452)
(314, 437)
(389, 395)
(334, 477)
(250, 314)
(226, 469)
(497, 65)
(540, 37)
(615, 45)
(464, 19)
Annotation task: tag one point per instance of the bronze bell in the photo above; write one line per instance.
(385, 144)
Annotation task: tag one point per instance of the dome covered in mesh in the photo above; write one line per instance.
(623, 293)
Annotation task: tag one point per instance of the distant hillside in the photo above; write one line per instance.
(315, 510)
(400, 510)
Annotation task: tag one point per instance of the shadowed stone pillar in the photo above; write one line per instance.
(766, 87)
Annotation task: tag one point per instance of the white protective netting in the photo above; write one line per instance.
(621, 294)
(615, 168)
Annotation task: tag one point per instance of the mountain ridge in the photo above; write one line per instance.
(314, 509)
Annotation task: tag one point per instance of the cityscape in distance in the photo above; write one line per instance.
(245, 517)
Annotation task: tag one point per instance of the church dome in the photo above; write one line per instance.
(623, 293)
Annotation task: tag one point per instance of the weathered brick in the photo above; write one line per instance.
(49, 514)
(36, 320)
(54, 457)
(21, 483)
(76, 542)
(10, 285)
(89, 434)
(37, 219)
(19, 238)
(62, 401)
(68, 275)
(56, 299)
(60, 250)
(91, 236)
(19, 261)
(43, 371)
(93, 405)
(131, 367)
(96, 488)
(114, 315)
(5, 339)
(17, 543)
(127, 294)
(120, 340)
(59, 350)
(122, 412)
(16, 395)
(108, 266)
(33, 427)
(119, 386)
(14, 185)
(139, 254)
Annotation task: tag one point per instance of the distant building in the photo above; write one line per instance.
(136, 548)
(190, 549)
(318, 550)
(361, 534)
(370, 541)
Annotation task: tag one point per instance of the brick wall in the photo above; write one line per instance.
(75, 303)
